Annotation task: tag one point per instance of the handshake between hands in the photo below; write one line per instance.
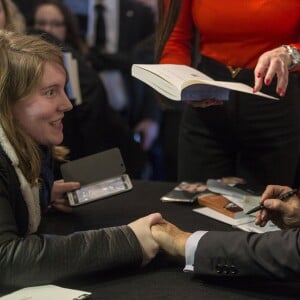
(154, 233)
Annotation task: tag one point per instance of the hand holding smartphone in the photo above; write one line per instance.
(100, 175)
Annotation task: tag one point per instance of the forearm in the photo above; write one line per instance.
(41, 259)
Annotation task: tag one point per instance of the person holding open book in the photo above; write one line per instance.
(245, 41)
(32, 106)
(236, 254)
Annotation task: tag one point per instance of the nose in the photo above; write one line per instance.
(45, 27)
(65, 103)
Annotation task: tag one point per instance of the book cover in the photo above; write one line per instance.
(73, 86)
(181, 82)
(221, 204)
(185, 192)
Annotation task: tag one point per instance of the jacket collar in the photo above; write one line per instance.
(30, 194)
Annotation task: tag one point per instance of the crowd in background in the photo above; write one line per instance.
(258, 138)
(117, 110)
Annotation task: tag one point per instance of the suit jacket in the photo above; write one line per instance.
(136, 23)
(243, 254)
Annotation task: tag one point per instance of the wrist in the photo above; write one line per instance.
(294, 56)
(181, 243)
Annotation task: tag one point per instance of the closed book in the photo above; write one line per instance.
(185, 192)
(221, 204)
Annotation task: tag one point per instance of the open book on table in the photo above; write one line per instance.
(181, 82)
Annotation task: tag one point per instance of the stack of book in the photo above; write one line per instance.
(221, 201)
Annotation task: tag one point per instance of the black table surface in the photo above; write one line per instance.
(163, 278)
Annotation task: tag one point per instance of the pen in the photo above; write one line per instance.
(282, 197)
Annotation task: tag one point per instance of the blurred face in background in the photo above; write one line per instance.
(2, 15)
(49, 18)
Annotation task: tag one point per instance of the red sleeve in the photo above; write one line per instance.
(179, 46)
(296, 45)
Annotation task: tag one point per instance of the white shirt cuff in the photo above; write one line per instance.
(190, 249)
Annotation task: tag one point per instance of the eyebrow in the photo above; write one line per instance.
(52, 85)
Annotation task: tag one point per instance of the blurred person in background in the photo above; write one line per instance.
(92, 126)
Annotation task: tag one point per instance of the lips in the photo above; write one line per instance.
(56, 122)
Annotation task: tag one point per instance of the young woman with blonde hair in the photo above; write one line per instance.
(32, 105)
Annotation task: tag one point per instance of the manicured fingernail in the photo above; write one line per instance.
(267, 81)
(258, 75)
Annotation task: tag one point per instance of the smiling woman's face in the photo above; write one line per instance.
(2, 16)
(40, 114)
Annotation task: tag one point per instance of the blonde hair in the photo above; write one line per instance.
(22, 59)
(15, 21)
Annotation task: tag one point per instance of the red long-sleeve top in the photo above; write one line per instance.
(233, 32)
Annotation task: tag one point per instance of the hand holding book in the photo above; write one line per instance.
(180, 82)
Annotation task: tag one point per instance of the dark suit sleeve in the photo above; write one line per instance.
(242, 254)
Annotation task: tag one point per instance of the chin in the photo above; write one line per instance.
(55, 141)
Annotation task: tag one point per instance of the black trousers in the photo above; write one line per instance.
(248, 136)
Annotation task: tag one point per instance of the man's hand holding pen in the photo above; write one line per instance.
(285, 213)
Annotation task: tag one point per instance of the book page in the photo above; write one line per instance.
(171, 79)
(222, 218)
(246, 223)
(177, 75)
(47, 292)
(251, 227)
(241, 87)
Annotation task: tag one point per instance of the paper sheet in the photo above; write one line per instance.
(47, 292)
